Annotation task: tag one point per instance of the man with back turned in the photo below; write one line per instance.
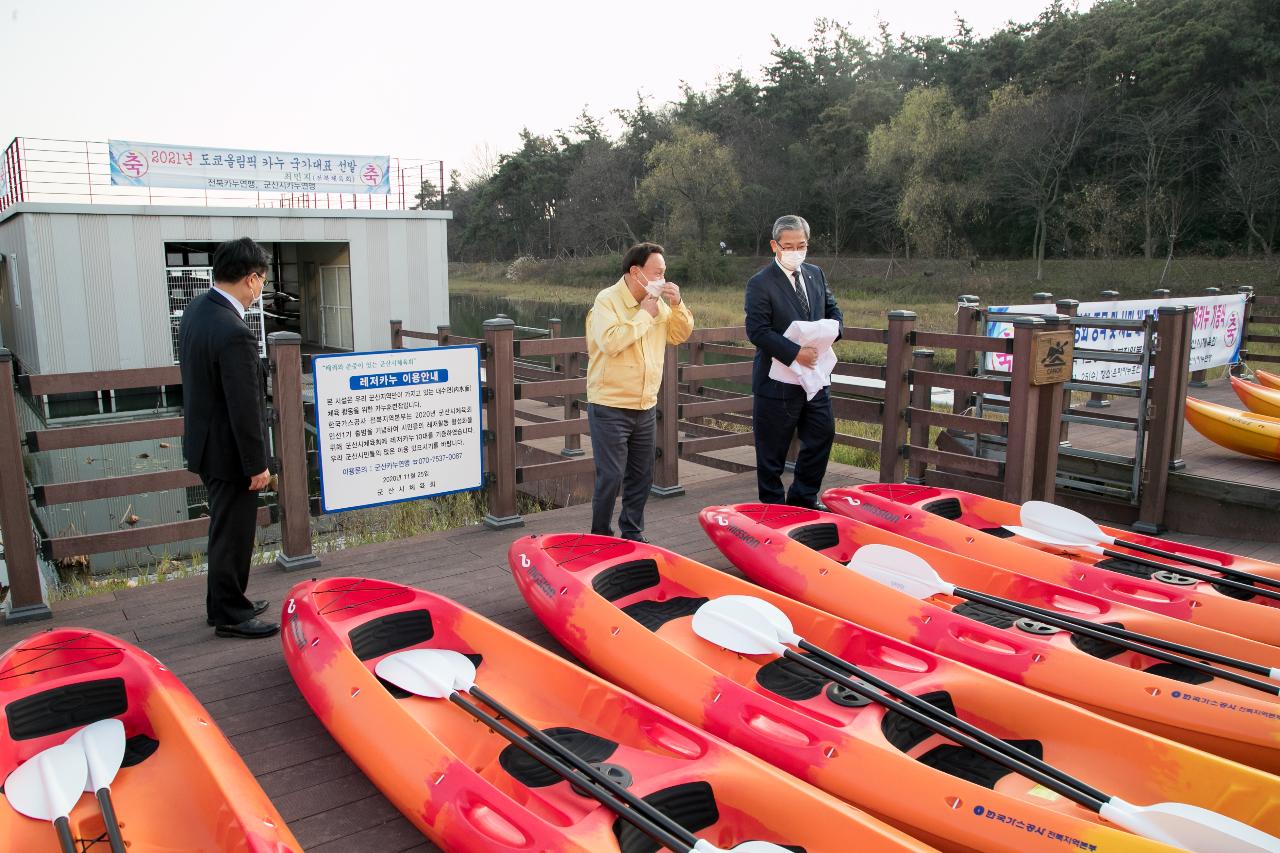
(786, 290)
(224, 405)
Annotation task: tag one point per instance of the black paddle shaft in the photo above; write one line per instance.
(1089, 630)
(1200, 576)
(1192, 561)
(643, 816)
(952, 727)
(109, 818)
(65, 839)
(1041, 613)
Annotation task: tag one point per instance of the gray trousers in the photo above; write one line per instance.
(623, 443)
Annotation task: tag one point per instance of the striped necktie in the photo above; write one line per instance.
(800, 291)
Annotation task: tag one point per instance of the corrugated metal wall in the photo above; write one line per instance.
(95, 297)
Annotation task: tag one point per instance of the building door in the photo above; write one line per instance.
(335, 308)
(185, 284)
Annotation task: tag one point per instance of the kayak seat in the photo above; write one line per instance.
(401, 630)
(138, 749)
(966, 764)
(692, 805)
(791, 680)
(819, 536)
(654, 614)
(626, 579)
(531, 773)
(1238, 594)
(906, 734)
(1180, 672)
(986, 614)
(1126, 567)
(998, 532)
(1097, 647)
(67, 707)
(946, 508)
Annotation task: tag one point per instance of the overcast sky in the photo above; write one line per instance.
(411, 79)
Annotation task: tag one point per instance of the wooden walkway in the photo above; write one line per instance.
(1203, 457)
(326, 800)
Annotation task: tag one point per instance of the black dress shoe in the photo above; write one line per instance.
(637, 538)
(249, 629)
(259, 607)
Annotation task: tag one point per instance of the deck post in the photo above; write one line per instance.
(1181, 381)
(397, 334)
(26, 596)
(1049, 426)
(1199, 378)
(1166, 406)
(897, 396)
(292, 494)
(1066, 308)
(1024, 404)
(666, 470)
(1161, 293)
(442, 335)
(968, 316)
(554, 327)
(1041, 298)
(1237, 369)
(921, 398)
(572, 407)
(500, 423)
(1097, 400)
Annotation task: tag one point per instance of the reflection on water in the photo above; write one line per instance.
(467, 312)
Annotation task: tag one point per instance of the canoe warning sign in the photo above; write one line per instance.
(397, 425)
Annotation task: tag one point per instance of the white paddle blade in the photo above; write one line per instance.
(899, 569)
(103, 745)
(433, 673)
(735, 622)
(1063, 523)
(704, 846)
(1189, 827)
(47, 785)
(1036, 535)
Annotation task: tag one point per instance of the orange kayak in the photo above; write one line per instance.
(952, 520)
(1267, 380)
(764, 541)
(1257, 398)
(469, 789)
(1243, 432)
(181, 786)
(625, 609)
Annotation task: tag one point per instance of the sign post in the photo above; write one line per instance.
(398, 425)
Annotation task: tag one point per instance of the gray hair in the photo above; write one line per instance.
(790, 222)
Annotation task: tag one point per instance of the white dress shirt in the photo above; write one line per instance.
(235, 303)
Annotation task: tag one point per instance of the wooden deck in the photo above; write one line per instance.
(1203, 457)
(326, 800)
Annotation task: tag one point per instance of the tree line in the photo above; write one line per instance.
(1140, 126)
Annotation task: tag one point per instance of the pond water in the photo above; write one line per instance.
(467, 313)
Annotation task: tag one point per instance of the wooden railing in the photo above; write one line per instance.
(695, 420)
(15, 520)
(1260, 311)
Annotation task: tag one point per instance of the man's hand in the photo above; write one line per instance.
(258, 482)
(807, 357)
(671, 292)
(650, 304)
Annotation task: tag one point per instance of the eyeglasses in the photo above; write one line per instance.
(795, 247)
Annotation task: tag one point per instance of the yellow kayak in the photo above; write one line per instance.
(1257, 398)
(1243, 432)
(1268, 380)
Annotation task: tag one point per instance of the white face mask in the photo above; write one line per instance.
(653, 288)
(791, 260)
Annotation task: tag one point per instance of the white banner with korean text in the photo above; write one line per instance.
(150, 164)
(1216, 328)
(398, 425)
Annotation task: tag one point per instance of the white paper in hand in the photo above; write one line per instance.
(819, 334)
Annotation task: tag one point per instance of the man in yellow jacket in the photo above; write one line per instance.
(628, 329)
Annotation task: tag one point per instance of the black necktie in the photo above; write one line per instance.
(804, 297)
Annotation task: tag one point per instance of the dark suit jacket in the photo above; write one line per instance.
(224, 392)
(772, 305)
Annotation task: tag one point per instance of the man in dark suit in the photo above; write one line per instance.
(786, 290)
(224, 438)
